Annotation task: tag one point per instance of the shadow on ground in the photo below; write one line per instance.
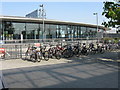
(106, 58)
(82, 72)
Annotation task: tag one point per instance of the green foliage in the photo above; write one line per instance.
(107, 39)
(116, 40)
(112, 13)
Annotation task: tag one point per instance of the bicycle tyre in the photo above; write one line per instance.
(32, 58)
(46, 55)
(58, 55)
(39, 56)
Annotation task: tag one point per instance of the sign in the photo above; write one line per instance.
(2, 52)
(37, 44)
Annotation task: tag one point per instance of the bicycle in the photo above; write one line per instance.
(33, 54)
(44, 53)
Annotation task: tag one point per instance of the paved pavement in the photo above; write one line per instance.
(77, 72)
(1, 76)
(2, 82)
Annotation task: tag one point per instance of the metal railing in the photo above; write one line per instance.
(57, 40)
(12, 51)
(15, 49)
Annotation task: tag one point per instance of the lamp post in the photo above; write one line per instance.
(43, 15)
(3, 34)
(96, 22)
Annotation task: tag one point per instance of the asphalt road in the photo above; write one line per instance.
(98, 71)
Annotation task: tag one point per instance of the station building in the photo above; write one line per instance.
(15, 28)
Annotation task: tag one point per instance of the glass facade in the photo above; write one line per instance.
(14, 31)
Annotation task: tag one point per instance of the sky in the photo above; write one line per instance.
(67, 11)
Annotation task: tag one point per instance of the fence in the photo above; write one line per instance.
(12, 51)
(53, 40)
(16, 49)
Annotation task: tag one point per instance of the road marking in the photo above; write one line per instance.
(104, 59)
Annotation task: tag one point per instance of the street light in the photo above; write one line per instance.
(43, 15)
(96, 21)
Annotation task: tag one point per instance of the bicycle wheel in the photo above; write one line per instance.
(102, 51)
(76, 51)
(58, 55)
(46, 55)
(65, 54)
(93, 51)
(39, 56)
(33, 58)
(71, 54)
(86, 53)
(26, 56)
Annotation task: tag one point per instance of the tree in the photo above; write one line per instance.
(112, 13)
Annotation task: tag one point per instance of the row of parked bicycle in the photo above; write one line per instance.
(66, 51)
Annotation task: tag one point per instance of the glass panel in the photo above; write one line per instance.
(57, 31)
(32, 31)
(75, 32)
(69, 31)
(40, 31)
(19, 28)
(79, 31)
(63, 31)
(8, 30)
(92, 32)
(53, 32)
(47, 31)
(83, 32)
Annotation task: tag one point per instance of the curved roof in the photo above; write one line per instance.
(47, 21)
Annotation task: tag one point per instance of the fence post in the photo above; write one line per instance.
(20, 51)
(16, 51)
